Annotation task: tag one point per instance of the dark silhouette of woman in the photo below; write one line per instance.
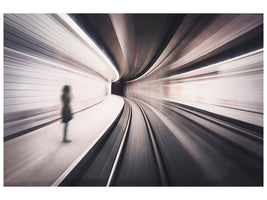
(66, 111)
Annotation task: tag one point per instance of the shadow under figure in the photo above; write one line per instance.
(66, 111)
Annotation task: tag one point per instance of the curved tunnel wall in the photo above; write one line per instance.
(41, 55)
(232, 88)
(217, 68)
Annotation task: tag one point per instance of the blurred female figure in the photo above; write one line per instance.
(66, 111)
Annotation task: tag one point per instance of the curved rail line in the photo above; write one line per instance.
(115, 165)
(162, 172)
(82, 174)
(119, 158)
(104, 155)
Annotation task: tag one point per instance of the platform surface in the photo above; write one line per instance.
(39, 158)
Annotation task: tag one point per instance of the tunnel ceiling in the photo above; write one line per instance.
(159, 45)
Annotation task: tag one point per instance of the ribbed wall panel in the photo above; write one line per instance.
(41, 55)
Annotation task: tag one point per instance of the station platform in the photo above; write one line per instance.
(40, 158)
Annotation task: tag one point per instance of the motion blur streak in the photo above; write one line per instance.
(186, 107)
(232, 88)
(81, 33)
(42, 54)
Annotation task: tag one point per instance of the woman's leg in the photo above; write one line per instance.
(65, 132)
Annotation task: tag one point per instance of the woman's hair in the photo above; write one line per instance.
(66, 88)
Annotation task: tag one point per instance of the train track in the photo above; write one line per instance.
(140, 163)
(107, 163)
(141, 150)
(199, 148)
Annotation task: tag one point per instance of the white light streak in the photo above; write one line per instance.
(87, 39)
(238, 58)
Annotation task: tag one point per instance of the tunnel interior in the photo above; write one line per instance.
(192, 106)
(117, 88)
